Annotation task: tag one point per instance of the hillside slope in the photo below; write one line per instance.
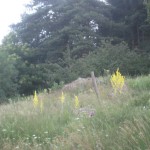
(77, 120)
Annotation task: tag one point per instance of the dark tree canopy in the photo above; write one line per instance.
(60, 40)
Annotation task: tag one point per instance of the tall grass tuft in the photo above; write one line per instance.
(141, 83)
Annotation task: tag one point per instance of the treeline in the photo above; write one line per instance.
(60, 40)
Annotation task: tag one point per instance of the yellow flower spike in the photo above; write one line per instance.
(35, 100)
(117, 81)
(76, 100)
(62, 98)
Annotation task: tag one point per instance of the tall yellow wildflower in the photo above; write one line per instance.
(35, 100)
(76, 100)
(62, 98)
(117, 81)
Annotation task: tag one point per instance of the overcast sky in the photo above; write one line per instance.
(10, 11)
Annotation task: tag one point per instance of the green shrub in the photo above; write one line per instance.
(111, 57)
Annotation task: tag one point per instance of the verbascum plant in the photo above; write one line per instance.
(35, 100)
(76, 101)
(62, 98)
(117, 81)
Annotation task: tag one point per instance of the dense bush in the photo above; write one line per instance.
(111, 57)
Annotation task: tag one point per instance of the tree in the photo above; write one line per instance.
(54, 27)
(30, 76)
(60, 32)
(8, 76)
(133, 14)
(147, 4)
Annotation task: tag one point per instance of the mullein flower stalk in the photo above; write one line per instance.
(35, 100)
(62, 98)
(37, 103)
(76, 101)
(117, 81)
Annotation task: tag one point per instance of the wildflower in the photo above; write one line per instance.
(46, 132)
(35, 137)
(77, 118)
(76, 102)
(4, 130)
(117, 81)
(78, 130)
(17, 147)
(62, 98)
(35, 100)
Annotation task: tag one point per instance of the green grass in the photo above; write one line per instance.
(118, 122)
(141, 83)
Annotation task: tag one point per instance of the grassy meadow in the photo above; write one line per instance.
(115, 121)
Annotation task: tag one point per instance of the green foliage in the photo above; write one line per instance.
(57, 86)
(70, 24)
(147, 3)
(132, 15)
(111, 57)
(8, 76)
